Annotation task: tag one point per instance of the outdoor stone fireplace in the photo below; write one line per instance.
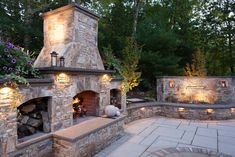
(80, 88)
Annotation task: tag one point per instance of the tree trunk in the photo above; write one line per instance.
(27, 37)
(136, 14)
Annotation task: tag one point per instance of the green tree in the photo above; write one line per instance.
(198, 65)
(128, 66)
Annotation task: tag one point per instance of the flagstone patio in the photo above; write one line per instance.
(160, 136)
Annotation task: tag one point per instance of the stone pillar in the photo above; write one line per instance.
(8, 122)
(123, 102)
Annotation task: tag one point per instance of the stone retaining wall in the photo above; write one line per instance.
(184, 111)
(92, 143)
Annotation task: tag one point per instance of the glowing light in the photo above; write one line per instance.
(181, 109)
(223, 84)
(5, 90)
(171, 83)
(209, 110)
(63, 78)
(194, 91)
(142, 109)
(232, 109)
(106, 78)
(58, 32)
(76, 100)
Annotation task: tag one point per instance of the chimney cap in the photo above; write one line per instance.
(70, 6)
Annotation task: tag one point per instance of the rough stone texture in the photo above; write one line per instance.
(42, 148)
(72, 33)
(146, 110)
(196, 89)
(8, 125)
(89, 144)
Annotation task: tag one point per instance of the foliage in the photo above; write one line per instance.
(169, 30)
(198, 65)
(15, 64)
(128, 66)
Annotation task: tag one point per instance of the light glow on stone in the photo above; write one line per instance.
(63, 78)
(5, 90)
(232, 109)
(181, 109)
(209, 110)
(106, 78)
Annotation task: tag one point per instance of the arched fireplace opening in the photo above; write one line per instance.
(115, 98)
(85, 104)
(33, 117)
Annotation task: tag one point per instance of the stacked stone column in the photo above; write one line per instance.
(8, 123)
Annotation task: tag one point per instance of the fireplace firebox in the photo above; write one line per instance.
(85, 104)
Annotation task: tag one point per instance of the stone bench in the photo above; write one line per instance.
(87, 138)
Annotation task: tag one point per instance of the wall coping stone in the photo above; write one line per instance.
(52, 70)
(116, 79)
(70, 6)
(172, 77)
(185, 105)
(33, 81)
(79, 131)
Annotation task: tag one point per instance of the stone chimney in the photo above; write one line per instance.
(72, 32)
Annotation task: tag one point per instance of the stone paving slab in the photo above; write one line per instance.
(156, 134)
(207, 132)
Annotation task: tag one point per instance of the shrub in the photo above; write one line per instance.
(15, 64)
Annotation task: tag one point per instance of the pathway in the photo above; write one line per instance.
(150, 137)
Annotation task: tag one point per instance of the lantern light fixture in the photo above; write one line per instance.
(62, 63)
(54, 59)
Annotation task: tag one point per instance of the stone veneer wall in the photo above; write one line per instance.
(72, 32)
(91, 143)
(8, 125)
(196, 89)
(182, 111)
(41, 147)
(62, 94)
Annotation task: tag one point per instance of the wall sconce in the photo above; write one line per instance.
(61, 61)
(232, 110)
(63, 78)
(54, 59)
(223, 84)
(180, 109)
(106, 78)
(171, 83)
(209, 110)
(5, 90)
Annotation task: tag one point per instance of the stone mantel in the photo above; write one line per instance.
(33, 81)
(53, 70)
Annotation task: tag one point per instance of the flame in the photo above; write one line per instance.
(76, 100)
